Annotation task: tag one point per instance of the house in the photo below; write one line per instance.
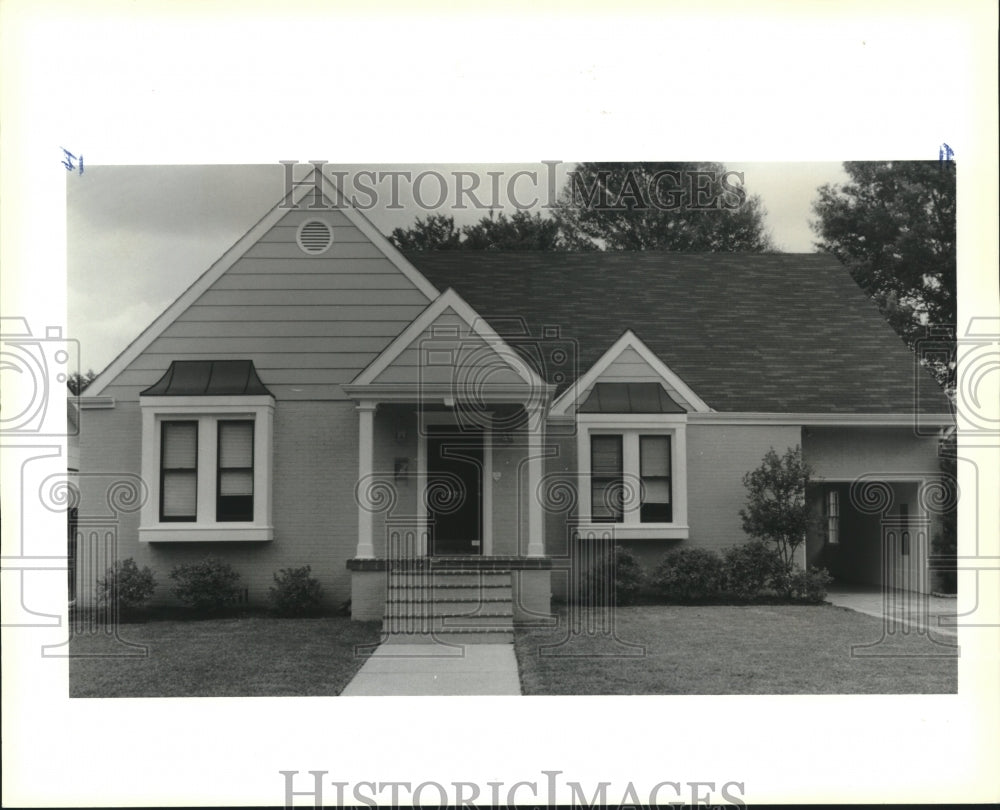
(476, 418)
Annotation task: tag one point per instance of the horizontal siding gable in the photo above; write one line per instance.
(309, 323)
(449, 351)
(630, 366)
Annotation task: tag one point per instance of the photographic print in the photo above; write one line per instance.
(567, 429)
(414, 404)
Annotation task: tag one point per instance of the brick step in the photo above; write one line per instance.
(444, 628)
(424, 578)
(489, 636)
(473, 592)
(436, 611)
(422, 598)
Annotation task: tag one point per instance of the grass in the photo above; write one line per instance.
(747, 650)
(251, 656)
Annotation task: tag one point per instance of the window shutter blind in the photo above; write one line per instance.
(180, 445)
(180, 494)
(236, 445)
(654, 456)
(179, 470)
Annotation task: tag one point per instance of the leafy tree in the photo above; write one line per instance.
(775, 510)
(77, 382)
(521, 231)
(617, 206)
(893, 227)
(437, 232)
(661, 206)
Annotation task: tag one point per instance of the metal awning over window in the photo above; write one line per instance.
(187, 378)
(629, 398)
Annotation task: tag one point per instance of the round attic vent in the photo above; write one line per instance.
(314, 237)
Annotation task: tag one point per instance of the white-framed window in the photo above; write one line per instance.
(831, 513)
(633, 470)
(206, 461)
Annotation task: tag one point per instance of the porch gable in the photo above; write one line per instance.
(450, 349)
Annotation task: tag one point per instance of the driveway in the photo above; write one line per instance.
(921, 611)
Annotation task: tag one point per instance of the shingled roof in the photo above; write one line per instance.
(777, 333)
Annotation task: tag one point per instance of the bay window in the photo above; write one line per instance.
(207, 466)
(634, 474)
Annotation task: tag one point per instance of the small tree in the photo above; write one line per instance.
(776, 509)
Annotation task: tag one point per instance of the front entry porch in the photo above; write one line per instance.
(462, 598)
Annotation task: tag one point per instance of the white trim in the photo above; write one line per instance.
(94, 403)
(208, 411)
(637, 531)
(366, 461)
(629, 340)
(536, 469)
(206, 533)
(821, 419)
(208, 404)
(630, 426)
(477, 325)
(486, 504)
(236, 252)
(441, 392)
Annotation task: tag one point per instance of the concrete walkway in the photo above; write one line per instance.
(438, 669)
(921, 611)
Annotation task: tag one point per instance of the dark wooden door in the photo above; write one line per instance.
(454, 491)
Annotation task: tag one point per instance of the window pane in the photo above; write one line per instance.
(606, 500)
(606, 455)
(180, 445)
(656, 513)
(654, 468)
(656, 490)
(236, 482)
(606, 479)
(180, 494)
(236, 444)
(654, 455)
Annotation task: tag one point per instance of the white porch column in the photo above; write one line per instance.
(536, 518)
(366, 461)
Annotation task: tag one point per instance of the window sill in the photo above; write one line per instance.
(201, 533)
(637, 531)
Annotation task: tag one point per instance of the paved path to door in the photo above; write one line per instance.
(438, 669)
(909, 608)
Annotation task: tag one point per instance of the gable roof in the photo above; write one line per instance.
(627, 343)
(477, 326)
(770, 333)
(308, 186)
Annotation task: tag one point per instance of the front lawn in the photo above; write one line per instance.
(730, 650)
(253, 657)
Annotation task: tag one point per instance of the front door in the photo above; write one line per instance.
(454, 493)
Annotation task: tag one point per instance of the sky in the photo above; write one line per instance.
(139, 235)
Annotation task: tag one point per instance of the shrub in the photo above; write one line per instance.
(132, 585)
(207, 586)
(809, 586)
(296, 592)
(689, 574)
(776, 509)
(754, 568)
(629, 577)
